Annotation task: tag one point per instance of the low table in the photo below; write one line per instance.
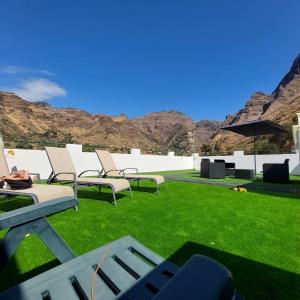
(244, 173)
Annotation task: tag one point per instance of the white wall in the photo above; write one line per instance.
(36, 161)
(144, 163)
(247, 161)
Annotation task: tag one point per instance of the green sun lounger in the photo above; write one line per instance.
(123, 269)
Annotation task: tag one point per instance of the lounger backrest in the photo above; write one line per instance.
(61, 162)
(107, 162)
(4, 170)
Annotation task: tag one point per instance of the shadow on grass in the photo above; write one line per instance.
(282, 193)
(105, 196)
(12, 202)
(252, 279)
(146, 189)
(255, 185)
(290, 190)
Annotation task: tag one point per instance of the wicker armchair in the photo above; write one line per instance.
(278, 173)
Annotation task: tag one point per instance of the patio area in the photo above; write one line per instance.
(255, 234)
(257, 184)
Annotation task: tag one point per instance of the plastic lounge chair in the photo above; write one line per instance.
(38, 192)
(123, 269)
(110, 170)
(64, 170)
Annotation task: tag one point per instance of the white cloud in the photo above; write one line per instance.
(17, 70)
(40, 89)
(12, 70)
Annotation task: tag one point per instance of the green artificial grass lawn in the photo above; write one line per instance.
(256, 235)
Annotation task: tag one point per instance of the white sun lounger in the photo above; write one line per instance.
(111, 170)
(38, 192)
(64, 170)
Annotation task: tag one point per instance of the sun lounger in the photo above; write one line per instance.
(64, 170)
(38, 192)
(123, 269)
(110, 170)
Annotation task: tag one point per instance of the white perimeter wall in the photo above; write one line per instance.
(36, 161)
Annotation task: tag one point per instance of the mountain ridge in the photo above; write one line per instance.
(158, 132)
(153, 133)
(279, 107)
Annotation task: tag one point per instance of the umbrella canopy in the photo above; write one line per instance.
(258, 127)
(254, 128)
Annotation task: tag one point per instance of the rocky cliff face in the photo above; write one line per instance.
(285, 100)
(279, 107)
(253, 109)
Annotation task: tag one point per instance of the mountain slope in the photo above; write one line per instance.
(40, 123)
(279, 107)
(37, 124)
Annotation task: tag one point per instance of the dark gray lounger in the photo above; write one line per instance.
(130, 270)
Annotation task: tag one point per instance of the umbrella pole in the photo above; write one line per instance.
(254, 148)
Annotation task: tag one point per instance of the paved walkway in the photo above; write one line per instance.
(251, 186)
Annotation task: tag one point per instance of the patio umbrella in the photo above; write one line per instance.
(255, 128)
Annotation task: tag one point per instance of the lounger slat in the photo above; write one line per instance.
(121, 278)
(135, 263)
(147, 253)
(157, 279)
(62, 289)
(149, 285)
(101, 290)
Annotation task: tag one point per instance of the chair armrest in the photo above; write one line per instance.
(36, 211)
(114, 170)
(65, 173)
(99, 172)
(136, 169)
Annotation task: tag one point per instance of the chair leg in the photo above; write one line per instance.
(157, 188)
(99, 188)
(130, 192)
(165, 186)
(75, 189)
(138, 183)
(114, 196)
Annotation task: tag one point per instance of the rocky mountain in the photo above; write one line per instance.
(26, 124)
(279, 107)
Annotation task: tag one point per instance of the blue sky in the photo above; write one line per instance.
(203, 58)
